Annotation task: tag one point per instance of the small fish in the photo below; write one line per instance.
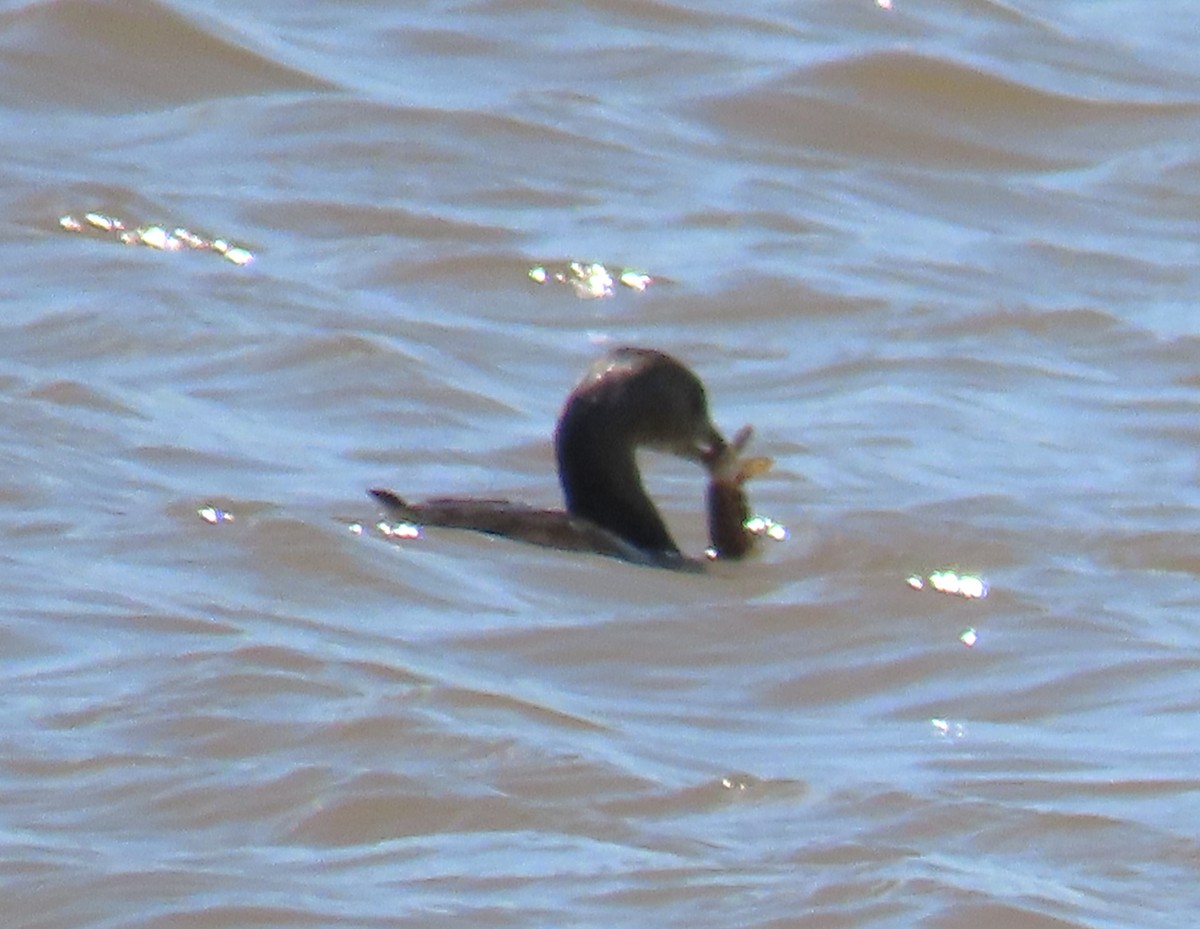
(728, 508)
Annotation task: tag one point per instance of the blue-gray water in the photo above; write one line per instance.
(943, 256)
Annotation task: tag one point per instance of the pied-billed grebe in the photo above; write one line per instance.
(631, 398)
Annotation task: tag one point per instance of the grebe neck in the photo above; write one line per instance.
(601, 482)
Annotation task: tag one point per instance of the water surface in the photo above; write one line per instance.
(942, 256)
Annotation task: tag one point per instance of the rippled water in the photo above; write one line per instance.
(942, 256)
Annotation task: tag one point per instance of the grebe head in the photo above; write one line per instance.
(630, 398)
